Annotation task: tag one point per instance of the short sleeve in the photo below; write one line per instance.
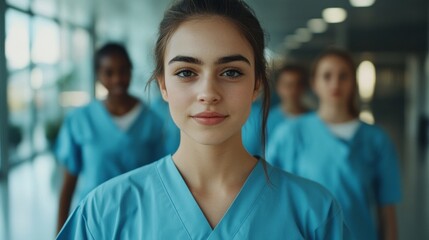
(67, 149)
(281, 147)
(387, 175)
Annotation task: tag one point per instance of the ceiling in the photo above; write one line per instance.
(387, 26)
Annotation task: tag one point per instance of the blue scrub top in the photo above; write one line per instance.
(91, 146)
(275, 118)
(251, 131)
(362, 173)
(154, 202)
(172, 132)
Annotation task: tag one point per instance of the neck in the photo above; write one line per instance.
(120, 105)
(205, 166)
(292, 108)
(335, 114)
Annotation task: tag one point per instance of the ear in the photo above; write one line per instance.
(161, 84)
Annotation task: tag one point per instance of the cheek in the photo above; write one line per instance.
(177, 95)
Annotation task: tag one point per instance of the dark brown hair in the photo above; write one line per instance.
(296, 68)
(110, 49)
(347, 58)
(239, 13)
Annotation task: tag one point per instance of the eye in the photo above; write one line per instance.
(232, 73)
(185, 74)
(327, 76)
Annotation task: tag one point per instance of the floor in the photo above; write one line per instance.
(29, 200)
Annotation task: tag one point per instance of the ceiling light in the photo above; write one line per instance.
(292, 45)
(367, 116)
(334, 15)
(317, 25)
(362, 3)
(302, 35)
(366, 80)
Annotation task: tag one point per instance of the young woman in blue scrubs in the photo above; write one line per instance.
(291, 82)
(209, 66)
(290, 86)
(106, 138)
(355, 161)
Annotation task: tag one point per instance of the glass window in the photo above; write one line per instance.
(20, 97)
(48, 117)
(23, 4)
(46, 41)
(45, 7)
(17, 39)
(78, 12)
(76, 65)
(82, 60)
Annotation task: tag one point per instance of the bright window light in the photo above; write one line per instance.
(362, 3)
(334, 15)
(46, 46)
(36, 78)
(366, 80)
(317, 25)
(74, 98)
(17, 39)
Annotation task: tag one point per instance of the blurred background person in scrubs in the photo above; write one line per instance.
(355, 161)
(106, 138)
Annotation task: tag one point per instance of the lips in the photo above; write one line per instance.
(209, 118)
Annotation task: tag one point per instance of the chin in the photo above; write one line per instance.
(212, 137)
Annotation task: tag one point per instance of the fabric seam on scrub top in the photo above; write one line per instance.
(171, 201)
(261, 194)
(87, 228)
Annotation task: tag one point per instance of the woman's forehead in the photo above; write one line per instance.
(208, 38)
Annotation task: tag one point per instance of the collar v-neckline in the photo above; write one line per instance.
(112, 123)
(324, 127)
(190, 213)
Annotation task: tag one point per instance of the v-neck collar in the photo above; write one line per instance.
(192, 216)
(324, 127)
(111, 122)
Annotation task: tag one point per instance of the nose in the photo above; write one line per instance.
(209, 92)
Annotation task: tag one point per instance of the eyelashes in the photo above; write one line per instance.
(232, 73)
(185, 74)
(228, 73)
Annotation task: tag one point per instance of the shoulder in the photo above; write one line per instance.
(375, 134)
(304, 190)
(128, 186)
(303, 197)
(297, 124)
(82, 112)
(136, 178)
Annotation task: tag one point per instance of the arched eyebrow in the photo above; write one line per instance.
(233, 58)
(186, 59)
(222, 60)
